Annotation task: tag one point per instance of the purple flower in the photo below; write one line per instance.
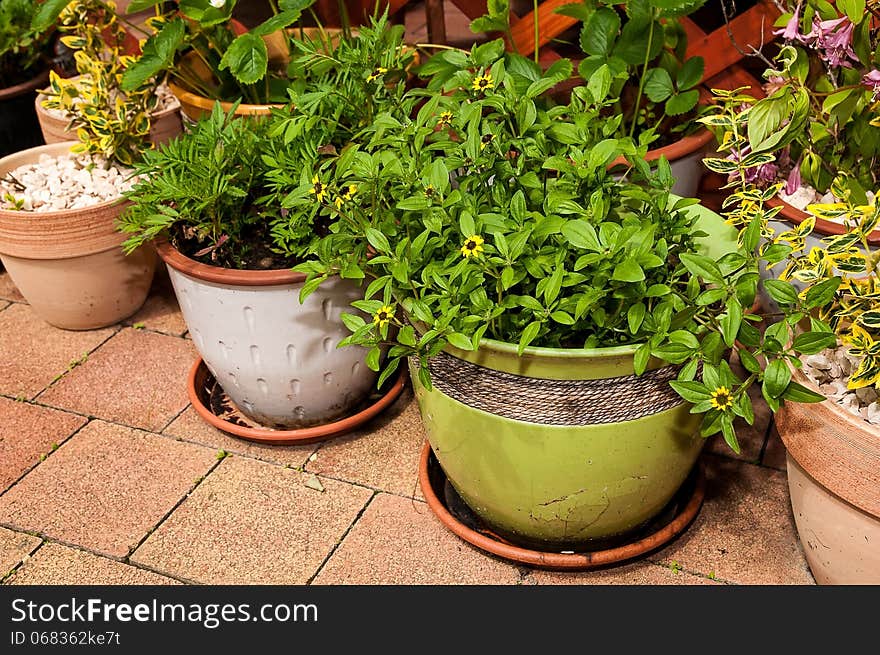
(760, 175)
(792, 30)
(834, 41)
(872, 81)
(794, 179)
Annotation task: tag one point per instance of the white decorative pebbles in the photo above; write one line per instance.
(830, 370)
(65, 182)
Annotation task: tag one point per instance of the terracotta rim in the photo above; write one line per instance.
(206, 104)
(154, 115)
(25, 87)
(550, 560)
(199, 373)
(180, 262)
(674, 151)
(823, 227)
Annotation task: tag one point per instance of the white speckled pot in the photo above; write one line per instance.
(275, 358)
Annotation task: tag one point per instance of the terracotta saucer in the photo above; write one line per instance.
(448, 506)
(216, 409)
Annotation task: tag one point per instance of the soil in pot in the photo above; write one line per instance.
(58, 238)
(19, 128)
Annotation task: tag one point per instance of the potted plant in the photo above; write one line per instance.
(655, 82)
(209, 56)
(235, 204)
(93, 31)
(59, 203)
(23, 69)
(833, 446)
(819, 116)
(537, 295)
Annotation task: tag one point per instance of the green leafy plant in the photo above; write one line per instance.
(492, 214)
(235, 193)
(251, 66)
(820, 116)
(108, 121)
(644, 47)
(21, 46)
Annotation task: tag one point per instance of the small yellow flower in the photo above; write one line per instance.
(346, 195)
(485, 140)
(473, 246)
(430, 191)
(483, 83)
(318, 188)
(383, 316)
(444, 119)
(722, 398)
(376, 74)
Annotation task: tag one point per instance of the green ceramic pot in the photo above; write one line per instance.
(562, 446)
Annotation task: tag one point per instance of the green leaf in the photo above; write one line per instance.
(682, 103)
(378, 240)
(388, 372)
(798, 393)
(810, 343)
(600, 32)
(157, 55)
(749, 362)
(729, 434)
(822, 293)
(372, 358)
(658, 85)
(277, 22)
(782, 292)
(48, 13)
(459, 341)
(674, 353)
(634, 317)
(692, 391)
(528, 335)
(690, 74)
(776, 378)
(581, 234)
(486, 54)
(563, 318)
(730, 321)
(628, 271)
(407, 335)
(641, 359)
(854, 9)
(246, 58)
(702, 267)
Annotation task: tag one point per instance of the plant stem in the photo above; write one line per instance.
(635, 118)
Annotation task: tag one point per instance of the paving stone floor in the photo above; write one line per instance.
(107, 475)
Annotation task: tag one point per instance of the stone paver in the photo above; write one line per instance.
(105, 488)
(8, 290)
(14, 547)
(137, 378)
(190, 426)
(399, 541)
(32, 352)
(55, 564)
(640, 573)
(384, 456)
(745, 532)
(28, 432)
(251, 522)
(160, 312)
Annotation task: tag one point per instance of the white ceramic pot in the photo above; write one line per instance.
(277, 359)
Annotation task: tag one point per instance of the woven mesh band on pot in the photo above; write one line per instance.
(554, 402)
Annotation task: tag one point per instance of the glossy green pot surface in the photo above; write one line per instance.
(560, 484)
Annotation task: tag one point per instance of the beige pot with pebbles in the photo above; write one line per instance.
(58, 240)
(834, 472)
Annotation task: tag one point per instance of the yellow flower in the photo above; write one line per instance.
(376, 74)
(722, 398)
(383, 316)
(444, 119)
(483, 82)
(430, 191)
(346, 195)
(473, 246)
(318, 189)
(485, 140)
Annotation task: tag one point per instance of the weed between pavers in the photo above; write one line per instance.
(70, 366)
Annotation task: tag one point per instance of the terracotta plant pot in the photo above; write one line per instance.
(276, 359)
(834, 482)
(685, 157)
(68, 264)
(164, 125)
(19, 129)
